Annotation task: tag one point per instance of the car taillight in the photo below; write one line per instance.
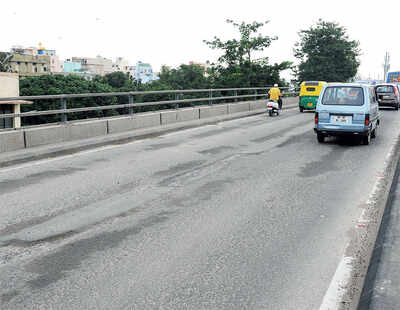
(316, 118)
(395, 91)
(366, 119)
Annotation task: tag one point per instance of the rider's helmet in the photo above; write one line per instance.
(275, 85)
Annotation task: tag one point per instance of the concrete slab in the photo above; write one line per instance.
(45, 135)
(216, 110)
(121, 124)
(188, 114)
(11, 141)
(84, 130)
(150, 119)
(168, 117)
(238, 107)
(258, 105)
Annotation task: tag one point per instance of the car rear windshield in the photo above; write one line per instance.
(384, 89)
(343, 95)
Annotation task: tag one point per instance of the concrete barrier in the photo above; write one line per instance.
(84, 130)
(168, 117)
(11, 140)
(258, 105)
(238, 107)
(150, 119)
(45, 135)
(121, 124)
(187, 114)
(216, 110)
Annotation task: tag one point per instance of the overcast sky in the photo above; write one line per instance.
(172, 32)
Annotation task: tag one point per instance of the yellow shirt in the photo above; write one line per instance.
(274, 93)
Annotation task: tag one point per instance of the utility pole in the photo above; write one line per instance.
(386, 66)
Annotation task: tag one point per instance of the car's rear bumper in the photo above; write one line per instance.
(392, 104)
(330, 131)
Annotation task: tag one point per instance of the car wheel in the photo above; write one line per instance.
(366, 140)
(301, 109)
(320, 138)
(374, 132)
(396, 107)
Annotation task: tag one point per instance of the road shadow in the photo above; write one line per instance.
(344, 141)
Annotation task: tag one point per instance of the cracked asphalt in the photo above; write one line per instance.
(251, 213)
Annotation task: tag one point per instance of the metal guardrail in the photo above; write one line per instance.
(64, 111)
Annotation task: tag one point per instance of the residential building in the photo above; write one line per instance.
(121, 65)
(35, 61)
(72, 66)
(97, 66)
(143, 72)
(30, 65)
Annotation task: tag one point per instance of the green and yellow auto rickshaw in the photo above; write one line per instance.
(309, 93)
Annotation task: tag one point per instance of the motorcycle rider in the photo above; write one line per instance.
(275, 95)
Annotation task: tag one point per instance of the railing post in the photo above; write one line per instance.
(64, 116)
(235, 93)
(210, 96)
(131, 101)
(177, 98)
(255, 93)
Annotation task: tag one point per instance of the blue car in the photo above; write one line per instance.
(347, 109)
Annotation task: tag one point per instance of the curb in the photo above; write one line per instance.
(53, 150)
(347, 284)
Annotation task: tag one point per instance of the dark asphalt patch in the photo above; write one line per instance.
(8, 186)
(299, 138)
(179, 168)
(216, 132)
(281, 133)
(6, 297)
(160, 146)
(55, 266)
(216, 150)
(326, 164)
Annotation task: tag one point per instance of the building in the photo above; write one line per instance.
(30, 65)
(56, 65)
(30, 61)
(143, 72)
(72, 66)
(97, 66)
(121, 65)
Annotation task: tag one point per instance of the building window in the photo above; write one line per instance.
(44, 69)
(35, 69)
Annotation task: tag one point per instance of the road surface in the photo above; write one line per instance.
(245, 214)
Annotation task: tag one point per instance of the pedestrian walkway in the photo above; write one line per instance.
(382, 289)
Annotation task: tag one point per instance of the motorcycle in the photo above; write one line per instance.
(273, 108)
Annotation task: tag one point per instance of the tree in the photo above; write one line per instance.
(61, 84)
(237, 52)
(117, 79)
(326, 54)
(237, 68)
(5, 62)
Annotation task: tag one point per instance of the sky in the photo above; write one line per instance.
(172, 32)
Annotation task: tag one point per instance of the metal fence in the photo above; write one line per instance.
(213, 96)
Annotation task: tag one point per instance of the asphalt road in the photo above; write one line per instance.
(246, 214)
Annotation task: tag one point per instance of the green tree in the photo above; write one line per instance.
(61, 84)
(184, 77)
(5, 62)
(118, 80)
(239, 51)
(236, 67)
(326, 53)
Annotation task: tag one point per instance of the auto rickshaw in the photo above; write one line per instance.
(309, 93)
